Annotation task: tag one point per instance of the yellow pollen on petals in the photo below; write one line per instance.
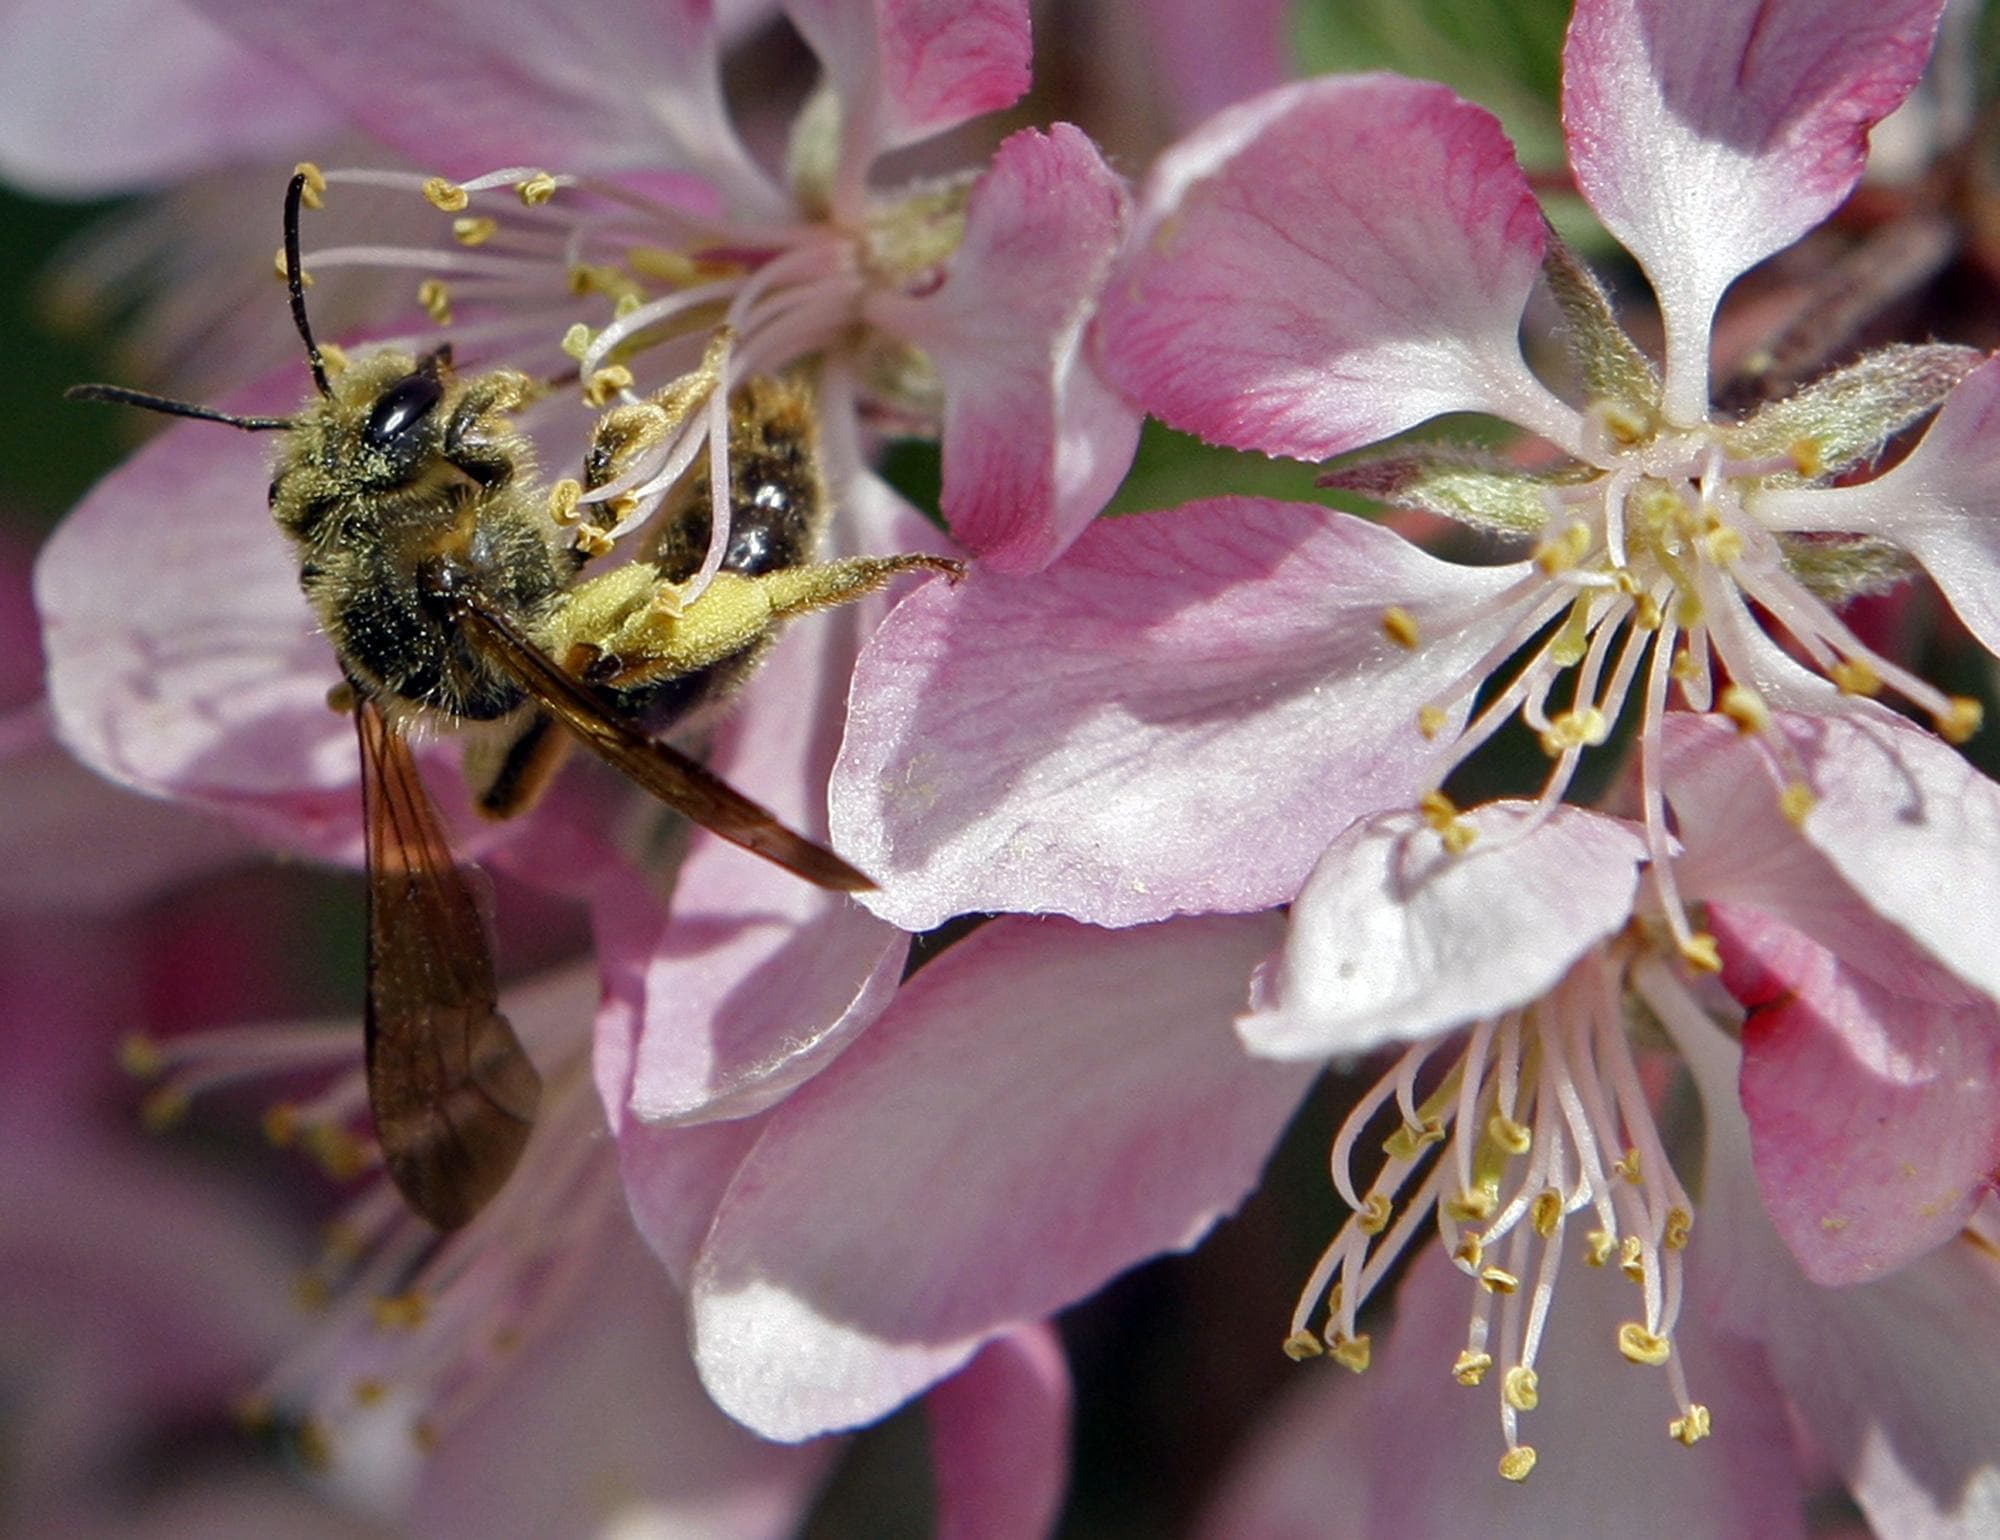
(1746, 708)
(1693, 1428)
(1431, 722)
(1796, 802)
(1471, 1367)
(1518, 1462)
(1521, 1389)
(446, 197)
(1302, 1345)
(1400, 626)
(313, 194)
(1642, 1346)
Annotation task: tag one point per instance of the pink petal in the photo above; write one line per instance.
(1000, 1432)
(1395, 939)
(1327, 265)
(1709, 135)
(907, 69)
(101, 96)
(1404, 1451)
(1906, 823)
(674, 1180)
(183, 660)
(1042, 1106)
(603, 1426)
(1177, 716)
(462, 87)
(1034, 441)
(1941, 503)
(1874, 1113)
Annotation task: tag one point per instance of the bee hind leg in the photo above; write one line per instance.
(509, 772)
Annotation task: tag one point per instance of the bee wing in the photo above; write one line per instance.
(680, 782)
(452, 1091)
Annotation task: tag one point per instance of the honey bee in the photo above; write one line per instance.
(451, 594)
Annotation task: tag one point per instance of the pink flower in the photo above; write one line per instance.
(1340, 260)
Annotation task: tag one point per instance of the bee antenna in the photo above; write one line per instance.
(123, 397)
(295, 281)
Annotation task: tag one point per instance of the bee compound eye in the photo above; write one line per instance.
(404, 404)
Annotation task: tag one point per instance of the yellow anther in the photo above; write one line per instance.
(1471, 1367)
(1687, 608)
(1470, 1204)
(311, 1293)
(673, 268)
(1562, 552)
(1646, 613)
(312, 1445)
(564, 499)
(1583, 728)
(1694, 1427)
(606, 383)
(1796, 802)
(1621, 423)
(1546, 1212)
(1723, 545)
(1349, 1352)
(596, 278)
(576, 341)
(1627, 1166)
(1598, 1246)
(1517, 1462)
(1374, 1215)
(1301, 1345)
(342, 1242)
(424, 1434)
(281, 1124)
(445, 197)
(1962, 720)
(163, 1109)
(592, 541)
(1855, 677)
(252, 1412)
(139, 1056)
(1521, 1389)
(1642, 1346)
(1684, 667)
(399, 1312)
(474, 229)
(626, 303)
(1400, 626)
(313, 194)
(369, 1391)
(1746, 708)
(1808, 457)
(1515, 1138)
(1431, 722)
(1459, 837)
(1632, 1258)
(537, 189)
(1408, 1141)
(1441, 814)
(1469, 1253)
(436, 301)
(1497, 1280)
(1679, 1226)
(1701, 953)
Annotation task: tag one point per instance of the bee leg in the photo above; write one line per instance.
(467, 447)
(509, 774)
(628, 430)
(641, 643)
